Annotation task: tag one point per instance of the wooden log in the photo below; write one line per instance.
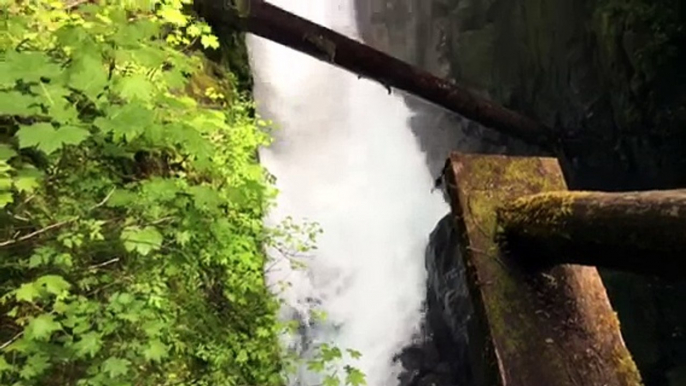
(553, 327)
(273, 23)
(640, 232)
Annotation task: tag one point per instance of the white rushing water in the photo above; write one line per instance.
(345, 157)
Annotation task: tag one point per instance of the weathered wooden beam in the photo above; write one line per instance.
(640, 232)
(275, 24)
(553, 327)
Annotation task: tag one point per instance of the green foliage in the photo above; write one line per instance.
(131, 206)
(131, 236)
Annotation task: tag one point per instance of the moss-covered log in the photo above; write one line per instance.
(554, 327)
(641, 232)
(273, 23)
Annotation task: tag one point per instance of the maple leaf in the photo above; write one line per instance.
(205, 198)
(89, 344)
(155, 351)
(44, 137)
(30, 136)
(6, 152)
(42, 327)
(354, 377)
(316, 366)
(126, 122)
(16, 103)
(64, 112)
(27, 179)
(209, 41)
(173, 16)
(53, 284)
(354, 353)
(71, 135)
(35, 365)
(28, 66)
(160, 189)
(136, 86)
(116, 366)
(27, 292)
(331, 380)
(88, 74)
(4, 366)
(143, 240)
(122, 198)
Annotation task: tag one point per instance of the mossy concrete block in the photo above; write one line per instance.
(554, 327)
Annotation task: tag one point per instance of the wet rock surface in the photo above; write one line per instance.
(439, 355)
(604, 80)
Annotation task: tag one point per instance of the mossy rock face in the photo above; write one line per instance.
(212, 84)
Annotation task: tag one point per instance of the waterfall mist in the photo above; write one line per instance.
(345, 157)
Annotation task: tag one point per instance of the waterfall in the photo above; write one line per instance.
(344, 156)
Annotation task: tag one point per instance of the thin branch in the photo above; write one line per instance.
(14, 339)
(36, 233)
(16, 239)
(71, 4)
(104, 200)
(108, 262)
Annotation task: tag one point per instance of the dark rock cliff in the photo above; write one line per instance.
(608, 76)
(440, 356)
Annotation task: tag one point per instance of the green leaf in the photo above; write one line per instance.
(153, 328)
(16, 103)
(88, 74)
(28, 66)
(330, 354)
(159, 189)
(173, 15)
(34, 135)
(115, 367)
(38, 259)
(155, 351)
(4, 366)
(27, 179)
(315, 366)
(136, 87)
(6, 152)
(354, 353)
(126, 122)
(71, 135)
(209, 41)
(27, 292)
(6, 198)
(331, 380)
(89, 344)
(54, 284)
(140, 240)
(64, 112)
(354, 377)
(122, 198)
(46, 138)
(35, 365)
(42, 327)
(64, 260)
(205, 198)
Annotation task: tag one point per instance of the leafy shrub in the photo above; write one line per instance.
(131, 224)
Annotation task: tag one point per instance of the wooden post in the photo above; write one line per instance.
(640, 232)
(555, 327)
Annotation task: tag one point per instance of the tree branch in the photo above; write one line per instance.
(270, 22)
